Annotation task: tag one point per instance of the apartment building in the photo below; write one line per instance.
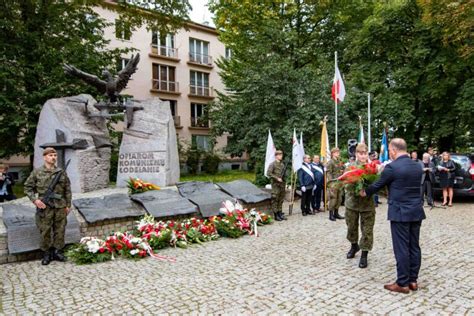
(179, 68)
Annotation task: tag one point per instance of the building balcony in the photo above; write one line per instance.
(201, 91)
(200, 60)
(199, 122)
(164, 52)
(163, 86)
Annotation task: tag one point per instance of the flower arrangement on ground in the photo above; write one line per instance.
(360, 177)
(150, 235)
(136, 185)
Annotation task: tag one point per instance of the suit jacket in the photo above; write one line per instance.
(403, 178)
(430, 173)
(318, 176)
(306, 176)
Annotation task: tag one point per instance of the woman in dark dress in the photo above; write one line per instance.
(446, 178)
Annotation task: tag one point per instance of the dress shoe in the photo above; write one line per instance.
(413, 286)
(304, 213)
(337, 216)
(394, 287)
(58, 255)
(331, 216)
(363, 260)
(46, 258)
(353, 251)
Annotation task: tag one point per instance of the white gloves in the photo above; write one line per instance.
(303, 188)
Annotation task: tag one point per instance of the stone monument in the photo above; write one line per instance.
(64, 123)
(149, 149)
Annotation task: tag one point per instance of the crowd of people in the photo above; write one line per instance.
(409, 181)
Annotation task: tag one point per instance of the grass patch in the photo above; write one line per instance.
(224, 176)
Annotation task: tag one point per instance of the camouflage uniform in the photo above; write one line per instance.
(51, 219)
(363, 208)
(278, 188)
(335, 168)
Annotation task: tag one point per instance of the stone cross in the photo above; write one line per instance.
(61, 145)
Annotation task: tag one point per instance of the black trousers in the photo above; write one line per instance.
(427, 188)
(316, 198)
(406, 247)
(306, 201)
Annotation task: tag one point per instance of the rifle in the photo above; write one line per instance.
(50, 195)
(283, 171)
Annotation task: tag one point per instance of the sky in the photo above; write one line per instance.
(200, 12)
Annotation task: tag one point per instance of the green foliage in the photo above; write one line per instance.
(211, 162)
(79, 254)
(193, 157)
(282, 65)
(38, 37)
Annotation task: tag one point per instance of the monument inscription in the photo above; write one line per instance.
(142, 162)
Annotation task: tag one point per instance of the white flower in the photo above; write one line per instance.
(134, 252)
(93, 246)
(135, 240)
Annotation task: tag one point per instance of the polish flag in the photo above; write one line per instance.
(338, 87)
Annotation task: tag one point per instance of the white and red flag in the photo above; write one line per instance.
(338, 89)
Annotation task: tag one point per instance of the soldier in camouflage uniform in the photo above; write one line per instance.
(335, 169)
(275, 172)
(362, 208)
(51, 220)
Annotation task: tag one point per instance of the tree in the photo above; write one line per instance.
(280, 73)
(37, 38)
(421, 85)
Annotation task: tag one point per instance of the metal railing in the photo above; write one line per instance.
(199, 122)
(166, 51)
(200, 59)
(163, 85)
(201, 91)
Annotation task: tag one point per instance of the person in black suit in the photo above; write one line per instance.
(405, 213)
(6, 184)
(306, 179)
(427, 179)
(318, 170)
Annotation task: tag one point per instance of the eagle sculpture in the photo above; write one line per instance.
(111, 87)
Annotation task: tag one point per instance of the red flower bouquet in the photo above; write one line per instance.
(360, 177)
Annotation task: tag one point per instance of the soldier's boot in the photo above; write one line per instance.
(337, 216)
(363, 260)
(58, 255)
(331, 216)
(354, 249)
(46, 258)
(282, 216)
(276, 216)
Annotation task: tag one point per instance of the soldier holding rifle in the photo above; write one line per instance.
(49, 188)
(276, 172)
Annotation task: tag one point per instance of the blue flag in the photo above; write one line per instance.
(384, 148)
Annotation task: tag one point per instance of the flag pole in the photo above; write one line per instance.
(368, 123)
(292, 196)
(336, 92)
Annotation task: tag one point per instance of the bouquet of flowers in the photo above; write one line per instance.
(89, 250)
(360, 177)
(136, 185)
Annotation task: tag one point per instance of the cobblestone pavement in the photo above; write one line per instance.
(295, 267)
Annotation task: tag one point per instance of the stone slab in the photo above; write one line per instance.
(108, 207)
(149, 149)
(245, 191)
(162, 203)
(22, 233)
(89, 167)
(205, 195)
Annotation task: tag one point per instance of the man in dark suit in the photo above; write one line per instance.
(318, 170)
(306, 179)
(405, 213)
(427, 179)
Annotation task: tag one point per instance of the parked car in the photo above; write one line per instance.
(464, 176)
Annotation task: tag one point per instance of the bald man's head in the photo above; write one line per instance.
(399, 144)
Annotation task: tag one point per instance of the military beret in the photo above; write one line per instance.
(49, 150)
